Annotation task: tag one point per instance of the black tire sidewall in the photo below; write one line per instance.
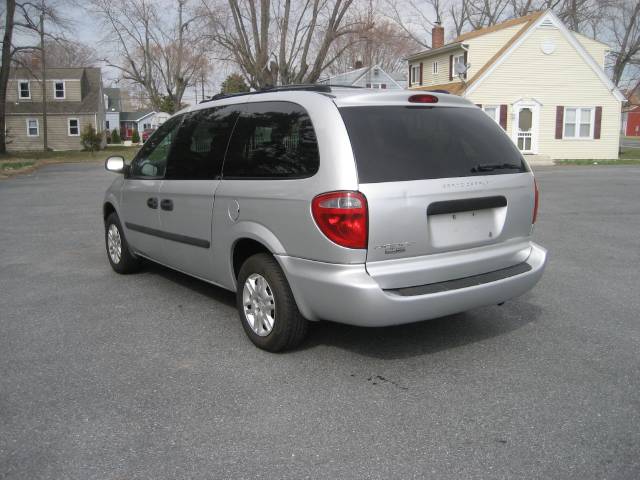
(287, 315)
(128, 263)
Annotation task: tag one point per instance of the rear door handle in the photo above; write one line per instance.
(166, 204)
(152, 202)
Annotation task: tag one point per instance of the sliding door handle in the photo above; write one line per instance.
(152, 202)
(166, 204)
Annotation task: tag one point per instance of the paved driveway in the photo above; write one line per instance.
(151, 376)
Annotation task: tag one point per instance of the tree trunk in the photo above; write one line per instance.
(4, 71)
(45, 143)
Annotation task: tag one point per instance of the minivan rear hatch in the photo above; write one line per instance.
(449, 194)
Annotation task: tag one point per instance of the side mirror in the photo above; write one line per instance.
(115, 164)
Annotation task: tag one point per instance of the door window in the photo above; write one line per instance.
(151, 160)
(272, 140)
(201, 143)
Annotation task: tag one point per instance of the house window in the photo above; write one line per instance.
(434, 68)
(24, 90)
(106, 123)
(493, 111)
(58, 89)
(146, 126)
(578, 122)
(415, 74)
(458, 64)
(377, 85)
(33, 129)
(74, 127)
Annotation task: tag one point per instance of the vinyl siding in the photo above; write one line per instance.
(72, 91)
(442, 77)
(596, 49)
(484, 47)
(562, 78)
(58, 138)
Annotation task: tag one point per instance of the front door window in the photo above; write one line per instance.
(525, 129)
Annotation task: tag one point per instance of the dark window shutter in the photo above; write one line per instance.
(450, 67)
(479, 105)
(559, 121)
(503, 116)
(465, 63)
(598, 125)
(384, 85)
(409, 74)
(420, 81)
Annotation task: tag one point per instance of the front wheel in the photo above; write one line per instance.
(120, 258)
(267, 309)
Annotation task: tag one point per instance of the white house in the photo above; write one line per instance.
(544, 84)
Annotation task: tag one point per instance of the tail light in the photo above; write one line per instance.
(535, 201)
(342, 217)
(423, 98)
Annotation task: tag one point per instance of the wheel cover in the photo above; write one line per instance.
(259, 304)
(114, 243)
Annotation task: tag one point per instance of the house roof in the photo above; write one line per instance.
(435, 51)
(135, 116)
(527, 23)
(528, 19)
(91, 100)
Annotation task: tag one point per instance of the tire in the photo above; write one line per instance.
(121, 260)
(273, 303)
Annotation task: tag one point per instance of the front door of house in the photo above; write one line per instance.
(525, 128)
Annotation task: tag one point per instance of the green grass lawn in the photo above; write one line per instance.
(629, 156)
(22, 162)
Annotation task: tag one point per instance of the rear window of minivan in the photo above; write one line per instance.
(400, 143)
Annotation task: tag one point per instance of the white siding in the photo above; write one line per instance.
(484, 47)
(562, 78)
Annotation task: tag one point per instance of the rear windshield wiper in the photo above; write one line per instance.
(489, 167)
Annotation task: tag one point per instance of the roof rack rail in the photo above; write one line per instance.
(279, 88)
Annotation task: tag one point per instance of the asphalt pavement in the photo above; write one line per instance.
(150, 376)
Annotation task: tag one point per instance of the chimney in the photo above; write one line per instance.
(437, 35)
(358, 64)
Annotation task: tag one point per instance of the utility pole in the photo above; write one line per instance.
(44, 80)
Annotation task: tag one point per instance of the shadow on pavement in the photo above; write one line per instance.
(424, 338)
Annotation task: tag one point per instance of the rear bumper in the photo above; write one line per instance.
(348, 294)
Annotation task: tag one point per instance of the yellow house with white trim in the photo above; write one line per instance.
(544, 84)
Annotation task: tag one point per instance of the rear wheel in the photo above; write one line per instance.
(120, 258)
(267, 309)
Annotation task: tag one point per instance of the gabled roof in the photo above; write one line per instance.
(135, 116)
(529, 23)
(528, 19)
(520, 36)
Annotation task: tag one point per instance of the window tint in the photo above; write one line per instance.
(272, 140)
(200, 145)
(413, 143)
(151, 160)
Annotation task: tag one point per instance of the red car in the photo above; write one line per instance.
(147, 133)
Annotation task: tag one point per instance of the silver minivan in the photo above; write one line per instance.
(326, 203)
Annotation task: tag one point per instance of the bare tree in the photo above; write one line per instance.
(385, 44)
(623, 22)
(416, 17)
(161, 56)
(283, 41)
(4, 70)
(37, 21)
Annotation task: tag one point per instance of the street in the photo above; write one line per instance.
(151, 376)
